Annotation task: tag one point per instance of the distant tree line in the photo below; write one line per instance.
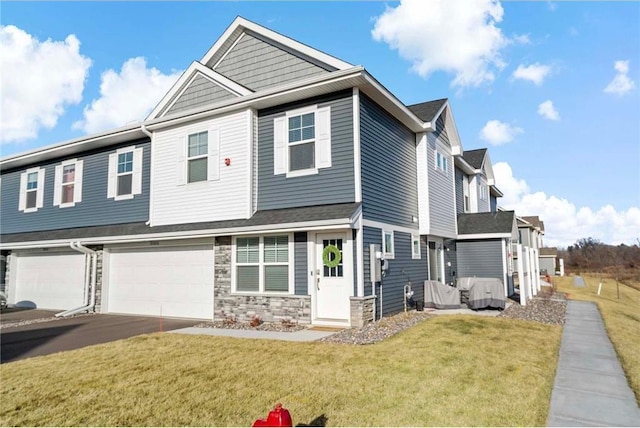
(591, 255)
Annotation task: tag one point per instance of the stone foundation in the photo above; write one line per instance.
(362, 310)
(98, 305)
(269, 308)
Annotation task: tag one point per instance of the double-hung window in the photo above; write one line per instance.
(483, 190)
(31, 190)
(415, 246)
(465, 192)
(302, 141)
(67, 189)
(197, 160)
(387, 244)
(125, 173)
(262, 264)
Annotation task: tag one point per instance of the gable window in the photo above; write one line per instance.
(263, 265)
(302, 141)
(67, 189)
(125, 173)
(387, 244)
(441, 162)
(31, 190)
(415, 247)
(483, 191)
(197, 160)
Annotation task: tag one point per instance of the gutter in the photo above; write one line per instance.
(90, 301)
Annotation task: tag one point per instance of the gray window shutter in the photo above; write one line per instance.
(77, 185)
(40, 194)
(136, 184)
(57, 186)
(279, 146)
(22, 202)
(113, 171)
(181, 162)
(213, 167)
(323, 137)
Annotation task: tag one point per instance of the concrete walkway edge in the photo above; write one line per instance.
(590, 387)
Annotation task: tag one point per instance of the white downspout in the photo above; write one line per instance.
(90, 303)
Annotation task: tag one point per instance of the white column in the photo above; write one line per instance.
(521, 275)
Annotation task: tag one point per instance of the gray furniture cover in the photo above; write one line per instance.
(440, 296)
(485, 293)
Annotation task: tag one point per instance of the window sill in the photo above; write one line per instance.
(265, 294)
(123, 197)
(388, 256)
(29, 210)
(67, 205)
(302, 172)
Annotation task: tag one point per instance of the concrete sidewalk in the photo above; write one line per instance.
(590, 388)
(295, 336)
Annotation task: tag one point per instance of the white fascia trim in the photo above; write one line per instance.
(454, 137)
(241, 23)
(357, 172)
(484, 236)
(250, 100)
(187, 77)
(390, 227)
(205, 233)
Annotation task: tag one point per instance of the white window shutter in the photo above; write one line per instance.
(77, 185)
(323, 137)
(22, 201)
(57, 186)
(279, 146)
(181, 163)
(213, 167)
(40, 194)
(136, 180)
(113, 175)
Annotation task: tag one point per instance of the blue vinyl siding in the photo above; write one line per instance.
(300, 263)
(480, 258)
(494, 204)
(332, 185)
(95, 209)
(389, 177)
(401, 269)
(442, 212)
(459, 191)
(201, 91)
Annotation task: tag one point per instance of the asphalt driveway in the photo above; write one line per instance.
(42, 338)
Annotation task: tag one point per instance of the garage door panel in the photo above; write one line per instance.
(174, 282)
(49, 281)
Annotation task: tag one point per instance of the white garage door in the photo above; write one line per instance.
(49, 281)
(171, 282)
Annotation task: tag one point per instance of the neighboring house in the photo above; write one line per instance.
(484, 246)
(531, 230)
(548, 260)
(255, 187)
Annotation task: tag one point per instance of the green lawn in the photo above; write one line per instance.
(449, 370)
(621, 317)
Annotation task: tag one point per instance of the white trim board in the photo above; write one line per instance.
(484, 236)
(390, 227)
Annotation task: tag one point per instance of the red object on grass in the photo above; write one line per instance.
(278, 417)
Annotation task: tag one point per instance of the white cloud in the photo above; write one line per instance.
(38, 81)
(547, 110)
(621, 83)
(564, 222)
(535, 73)
(127, 96)
(497, 133)
(456, 36)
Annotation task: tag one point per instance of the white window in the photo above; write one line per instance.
(387, 244)
(465, 192)
(441, 162)
(198, 156)
(415, 246)
(67, 190)
(302, 141)
(125, 173)
(263, 264)
(31, 190)
(483, 191)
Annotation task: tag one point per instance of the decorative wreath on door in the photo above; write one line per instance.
(328, 260)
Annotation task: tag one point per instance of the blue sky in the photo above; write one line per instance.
(551, 88)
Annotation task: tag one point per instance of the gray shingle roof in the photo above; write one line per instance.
(427, 110)
(475, 158)
(534, 220)
(549, 251)
(485, 223)
(260, 218)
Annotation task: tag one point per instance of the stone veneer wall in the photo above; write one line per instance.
(362, 310)
(98, 305)
(270, 308)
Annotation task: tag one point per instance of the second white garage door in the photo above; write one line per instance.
(171, 282)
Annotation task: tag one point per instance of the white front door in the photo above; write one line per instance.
(334, 278)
